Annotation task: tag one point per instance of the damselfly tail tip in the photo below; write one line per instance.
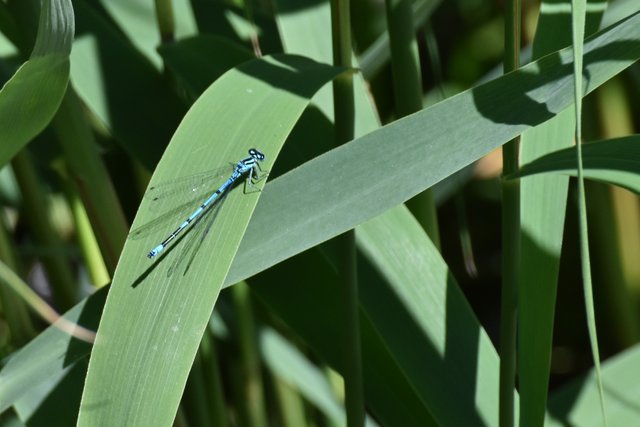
(155, 251)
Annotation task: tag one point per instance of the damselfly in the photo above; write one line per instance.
(247, 168)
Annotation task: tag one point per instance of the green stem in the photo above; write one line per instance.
(405, 62)
(98, 274)
(35, 209)
(347, 270)
(290, 403)
(91, 178)
(344, 111)
(195, 399)
(509, 298)
(13, 307)
(434, 58)
(252, 387)
(407, 90)
(165, 19)
(376, 57)
(510, 237)
(39, 306)
(213, 381)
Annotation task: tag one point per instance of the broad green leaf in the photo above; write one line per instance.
(50, 355)
(422, 345)
(423, 296)
(310, 291)
(29, 100)
(614, 161)
(577, 403)
(360, 180)
(56, 402)
(153, 321)
(618, 10)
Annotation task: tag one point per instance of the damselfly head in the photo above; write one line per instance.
(256, 154)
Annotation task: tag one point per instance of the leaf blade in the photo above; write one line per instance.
(152, 323)
(30, 99)
(334, 192)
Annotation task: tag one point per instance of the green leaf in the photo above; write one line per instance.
(420, 337)
(185, 59)
(289, 364)
(138, 22)
(447, 144)
(153, 322)
(362, 179)
(578, 403)
(542, 227)
(302, 26)
(578, 18)
(54, 402)
(614, 161)
(142, 123)
(29, 100)
(300, 307)
(50, 355)
(433, 335)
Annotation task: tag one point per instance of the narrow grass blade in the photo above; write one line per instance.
(614, 161)
(578, 18)
(542, 227)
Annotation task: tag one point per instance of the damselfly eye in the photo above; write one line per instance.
(256, 154)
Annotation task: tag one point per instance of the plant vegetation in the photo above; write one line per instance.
(430, 247)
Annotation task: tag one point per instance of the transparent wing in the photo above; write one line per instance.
(189, 191)
(177, 215)
(194, 239)
(187, 187)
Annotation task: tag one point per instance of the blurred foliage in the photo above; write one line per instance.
(85, 126)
